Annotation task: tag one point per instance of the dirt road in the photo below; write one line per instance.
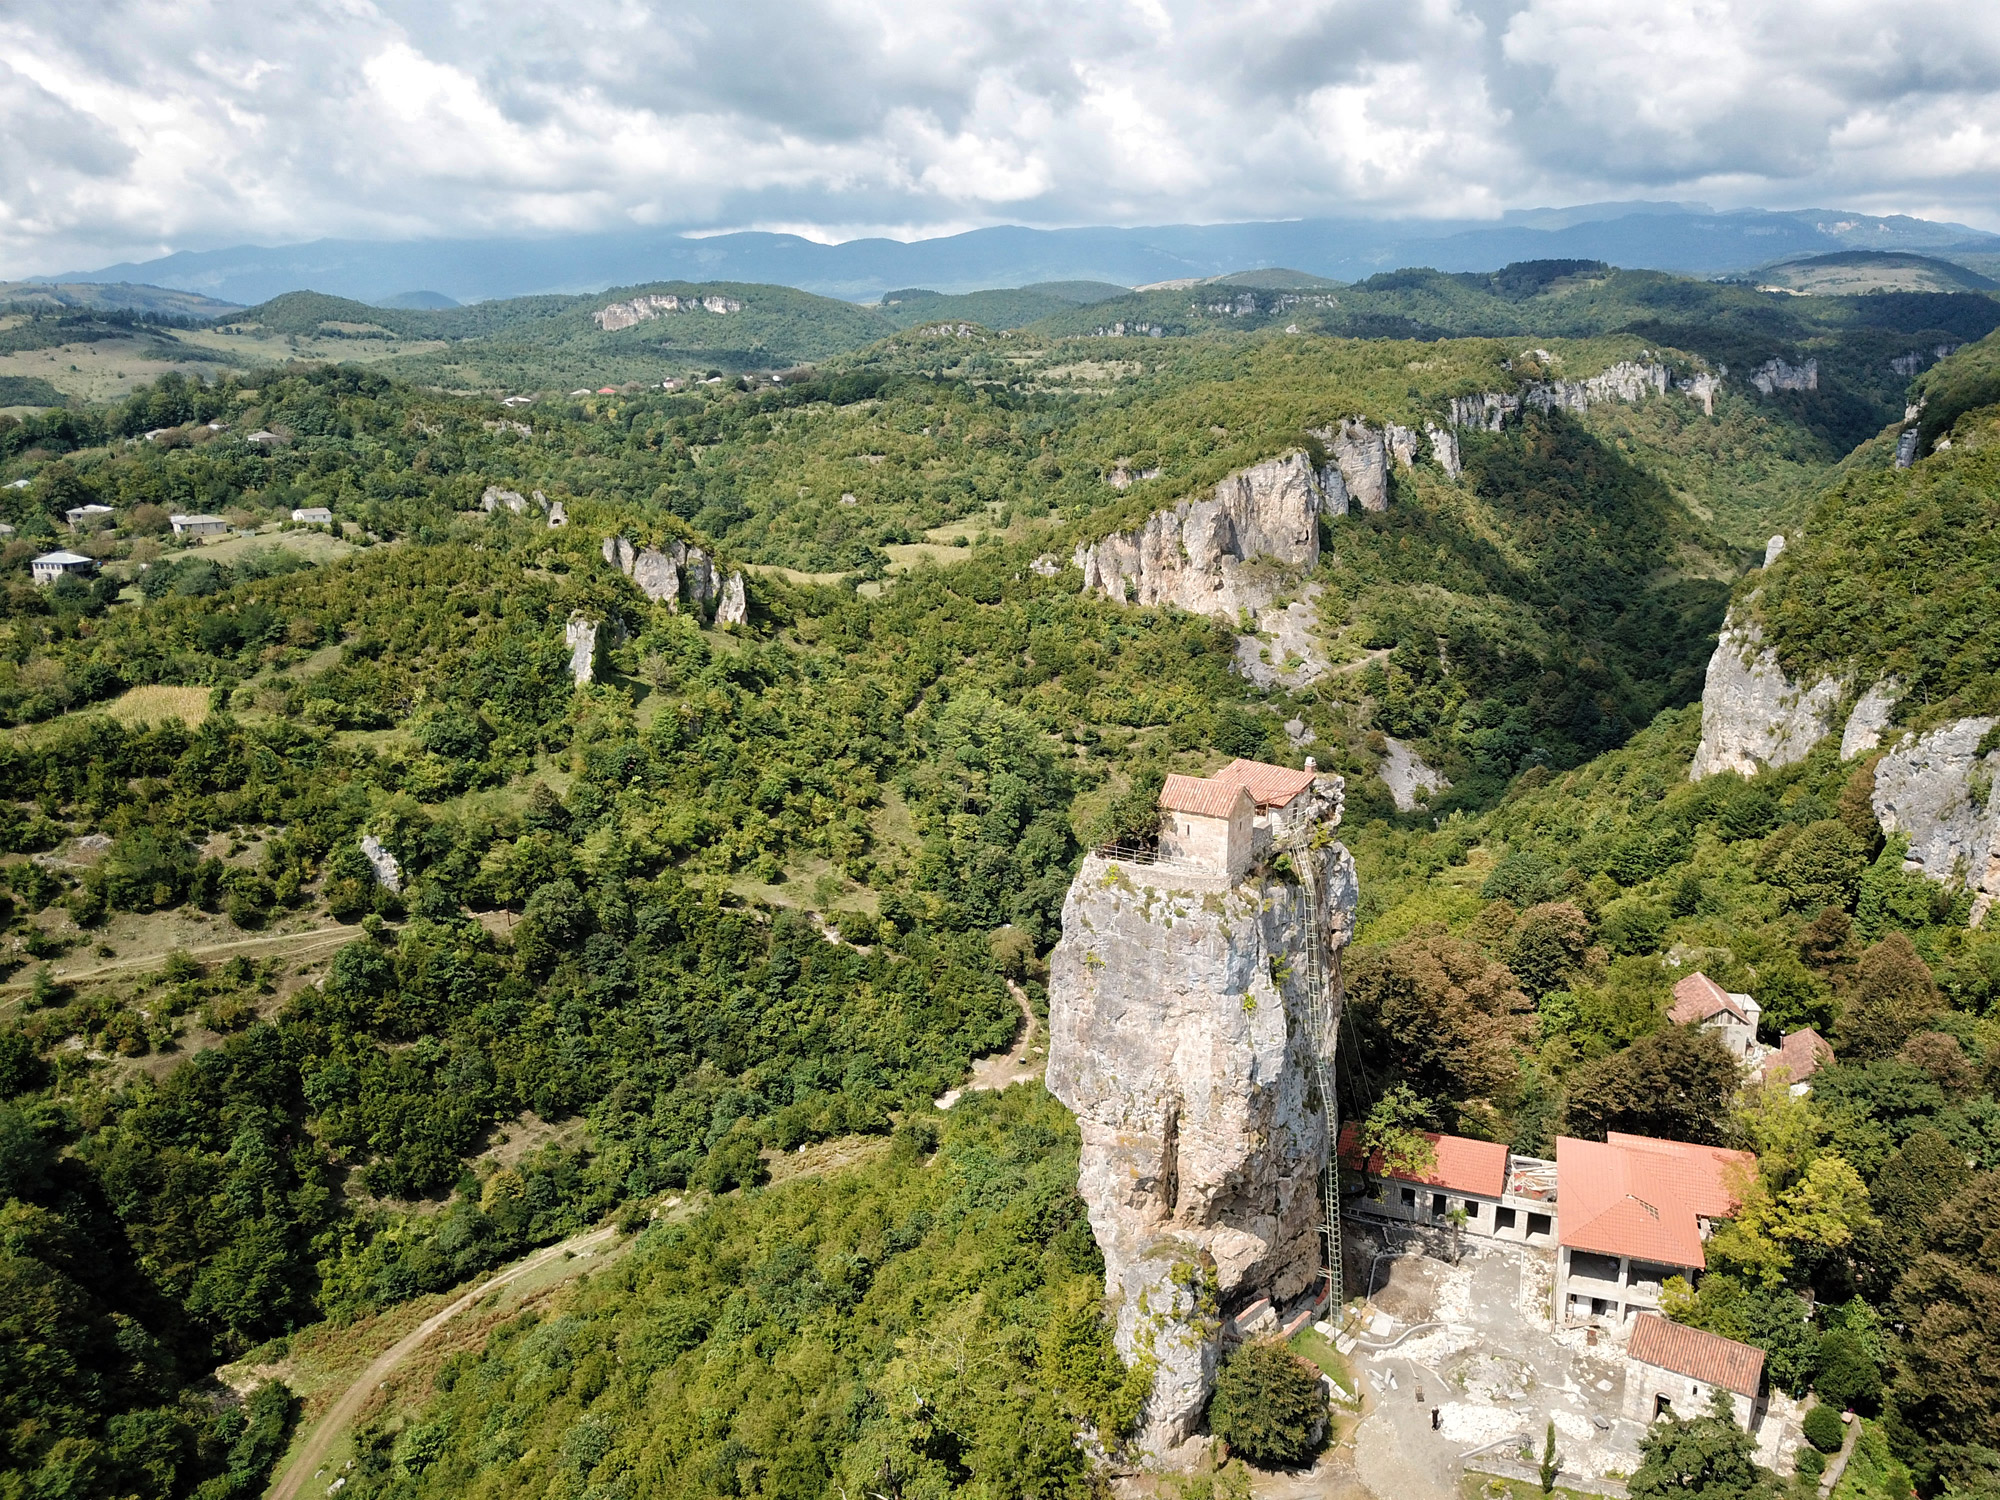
(309, 943)
(311, 1454)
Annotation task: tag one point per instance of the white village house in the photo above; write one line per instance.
(313, 515)
(80, 516)
(53, 565)
(199, 525)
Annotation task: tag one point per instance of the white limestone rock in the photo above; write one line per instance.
(703, 586)
(1361, 454)
(1938, 789)
(1186, 1063)
(388, 873)
(1286, 647)
(1219, 556)
(1444, 448)
(1410, 781)
(1627, 381)
(580, 636)
(1775, 375)
(1774, 549)
(1752, 715)
(657, 577)
(733, 612)
(496, 498)
(1402, 441)
(1870, 718)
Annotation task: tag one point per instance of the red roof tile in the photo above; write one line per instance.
(1632, 1195)
(1272, 786)
(1205, 796)
(1800, 1055)
(1698, 997)
(1707, 1357)
(1462, 1166)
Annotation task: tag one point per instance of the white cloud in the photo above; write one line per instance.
(134, 126)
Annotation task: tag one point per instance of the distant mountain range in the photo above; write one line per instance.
(1688, 238)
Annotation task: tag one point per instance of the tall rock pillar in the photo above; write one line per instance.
(1178, 1036)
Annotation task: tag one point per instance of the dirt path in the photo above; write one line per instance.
(311, 1454)
(307, 943)
(1020, 1063)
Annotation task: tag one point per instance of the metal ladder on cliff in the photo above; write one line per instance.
(1323, 1033)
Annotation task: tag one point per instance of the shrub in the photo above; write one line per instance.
(1269, 1405)
(1848, 1377)
(1824, 1429)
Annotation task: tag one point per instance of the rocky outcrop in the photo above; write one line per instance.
(1773, 550)
(628, 314)
(388, 873)
(1204, 555)
(1286, 649)
(1444, 448)
(580, 637)
(1361, 459)
(1752, 714)
(1906, 449)
(1401, 441)
(1870, 717)
(1410, 781)
(496, 498)
(663, 573)
(1701, 386)
(703, 586)
(1629, 380)
(1775, 375)
(1177, 1037)
(1938, 790)
(658, 575)
(558, 516)
(733, 610)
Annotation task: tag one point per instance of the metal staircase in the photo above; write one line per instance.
(1323, 1004)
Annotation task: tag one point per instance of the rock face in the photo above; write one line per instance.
(657, 575)
(1405, 774)
(1361, 457)
(1870, 718)
(627, 314)
(1773, 550)
(1752, 715)
(734, 608)
(1402, 441)
(1938, 789)
(1775, 375)
(495, 498)
(1628, 380)
(388, 873)
(1201, 554)
(702, 584)
(1176, 1035)
(1444, 448)
(580, 636)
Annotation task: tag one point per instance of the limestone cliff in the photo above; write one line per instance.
(1177, 1036)
(1205, 555)
(1629, 380)
(1938, 789)
(1752, 714)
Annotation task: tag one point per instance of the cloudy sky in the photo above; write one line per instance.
(131, 129)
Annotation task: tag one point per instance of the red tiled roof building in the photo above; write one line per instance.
(1634, 1211)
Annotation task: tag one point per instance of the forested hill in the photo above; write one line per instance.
(758, 888)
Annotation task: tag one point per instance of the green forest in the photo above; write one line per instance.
(756, 889)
